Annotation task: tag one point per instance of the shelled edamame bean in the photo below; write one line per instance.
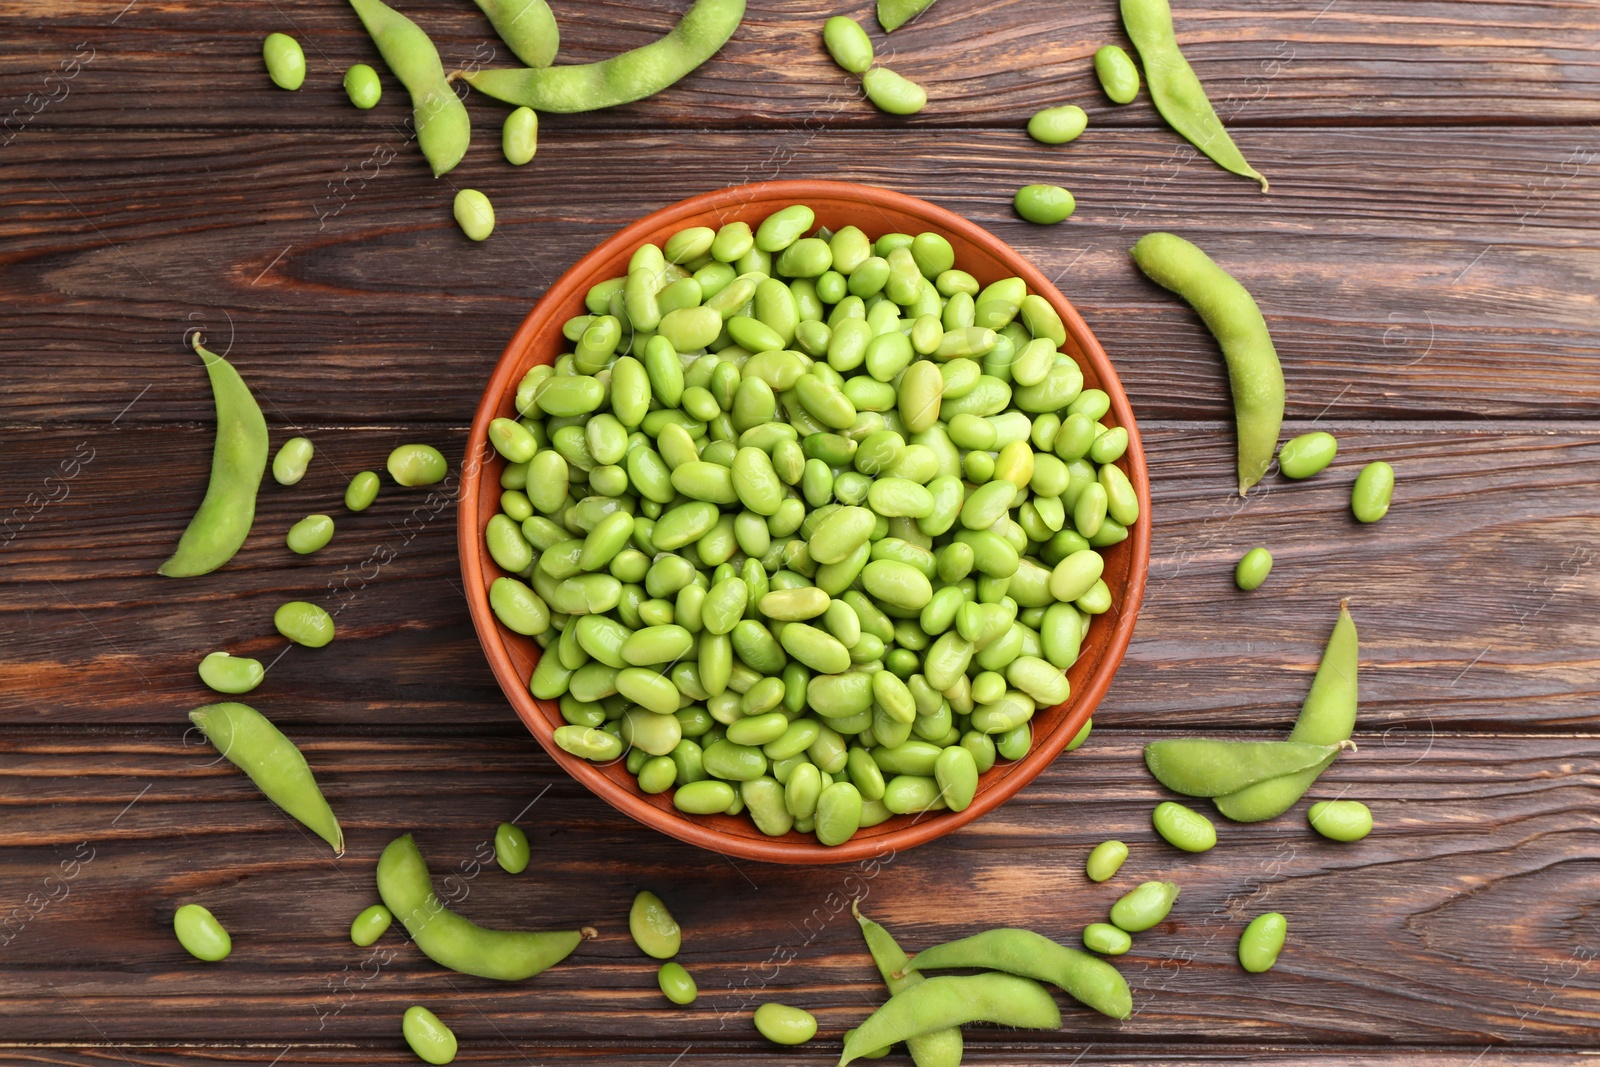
(807, 523)
(201, 934)
(1252, 569)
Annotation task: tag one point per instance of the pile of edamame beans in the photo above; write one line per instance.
(806, 523)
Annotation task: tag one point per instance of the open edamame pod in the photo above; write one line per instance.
(941, 1003)
(940, 1048)
(452, 941)
(1202, 767)
(248, 740)
(1230, 313)
(634, 75)
(1087, 979)
(1175, 88)
(527, 27)
(443, 129)
(1327, 718)
(238, 460)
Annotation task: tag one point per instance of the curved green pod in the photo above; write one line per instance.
(1327, 718)
(941, 1003)
(238, 460)
(443, 129)
(248, 740)
(1255, 376)
(892, 14)
(452, 941)
(940, 1048)
(1176, 89)
(527, 27)
(1202, 767)
(633, 75)
(1087, 979)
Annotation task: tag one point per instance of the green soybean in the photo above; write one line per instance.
(1308, 454)
(1184, 827)
(1118, 76)
(847, 43)
(430, 1039)
(231, 674)
(1252, 569)
(1174, 88)
(1044, 204)
(785, 1025)
(370, 925)
(1058, 125)
(417, 465)
(1262, 941)
(511, 850)
(1105, 860)
(677, 985)
(285, 59)
(1106, 939)
(1369, 498)
(1341, 820)
(1143, 907)
(293, 457)
(362, 86)
(654, 929)
(201, 935)
(893, 92)
(304, 623)
(1230, 312)
(474, 214)
(310, 534)
(362, 491)
(519, 136)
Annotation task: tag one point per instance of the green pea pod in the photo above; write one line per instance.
(1201, 767)
(1230, 313)
(443, 129)
(238, 461)
(941, 1048)
(248, 740)
(942, 1003)
(633, 75)
(1088, 980)
(1327, 718)
(1175, 88)
(453, 941)
(527, 27)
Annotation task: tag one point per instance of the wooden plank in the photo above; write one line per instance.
(1405, 274)
(1459, 923)
(186, 65)
(1472, 596)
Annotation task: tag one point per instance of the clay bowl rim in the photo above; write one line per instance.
(564, 298)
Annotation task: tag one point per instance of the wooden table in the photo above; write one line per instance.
(1427, 263)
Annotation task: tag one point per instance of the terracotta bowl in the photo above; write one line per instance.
(539, 340)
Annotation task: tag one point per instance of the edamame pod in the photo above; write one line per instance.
(1230, 313)
(527, 27)
(939, 1048)
(946, 1002)
(1202, 767)
(443, 129)
(634, 75)
(1088, 980)
(238, 461)
(455, 942)
(248, 740)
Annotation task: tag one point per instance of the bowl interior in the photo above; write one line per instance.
(539, 340)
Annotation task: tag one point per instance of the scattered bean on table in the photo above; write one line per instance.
(1252, 569)
(1341, 820)
(201, 934)
(1044, 204)
(1105, 860)
(362, 491)
(1262, 941)
(304, 623)
(430, 1039)
(511, 849)
(413, 465)
(1058, 125)
(310, 534)
(231, 674)
(1184, 827)
(1144, 906)
(474, 214)
(519, 136)
(847, 43)
(285, 59)
(293, 457)
(785, 1025)
(676, 983)
(1308, 454)
(370, 925)
(362, 86)
(1106, 939)
(1118, 76)
(654, 929)
(1374, 488)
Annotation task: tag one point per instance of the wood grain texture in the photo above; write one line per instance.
(1404, 273)
(181, 65)
(1426, 262)
(1472, 900)
(1473, 596)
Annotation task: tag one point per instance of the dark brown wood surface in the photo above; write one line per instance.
(1427, 261)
